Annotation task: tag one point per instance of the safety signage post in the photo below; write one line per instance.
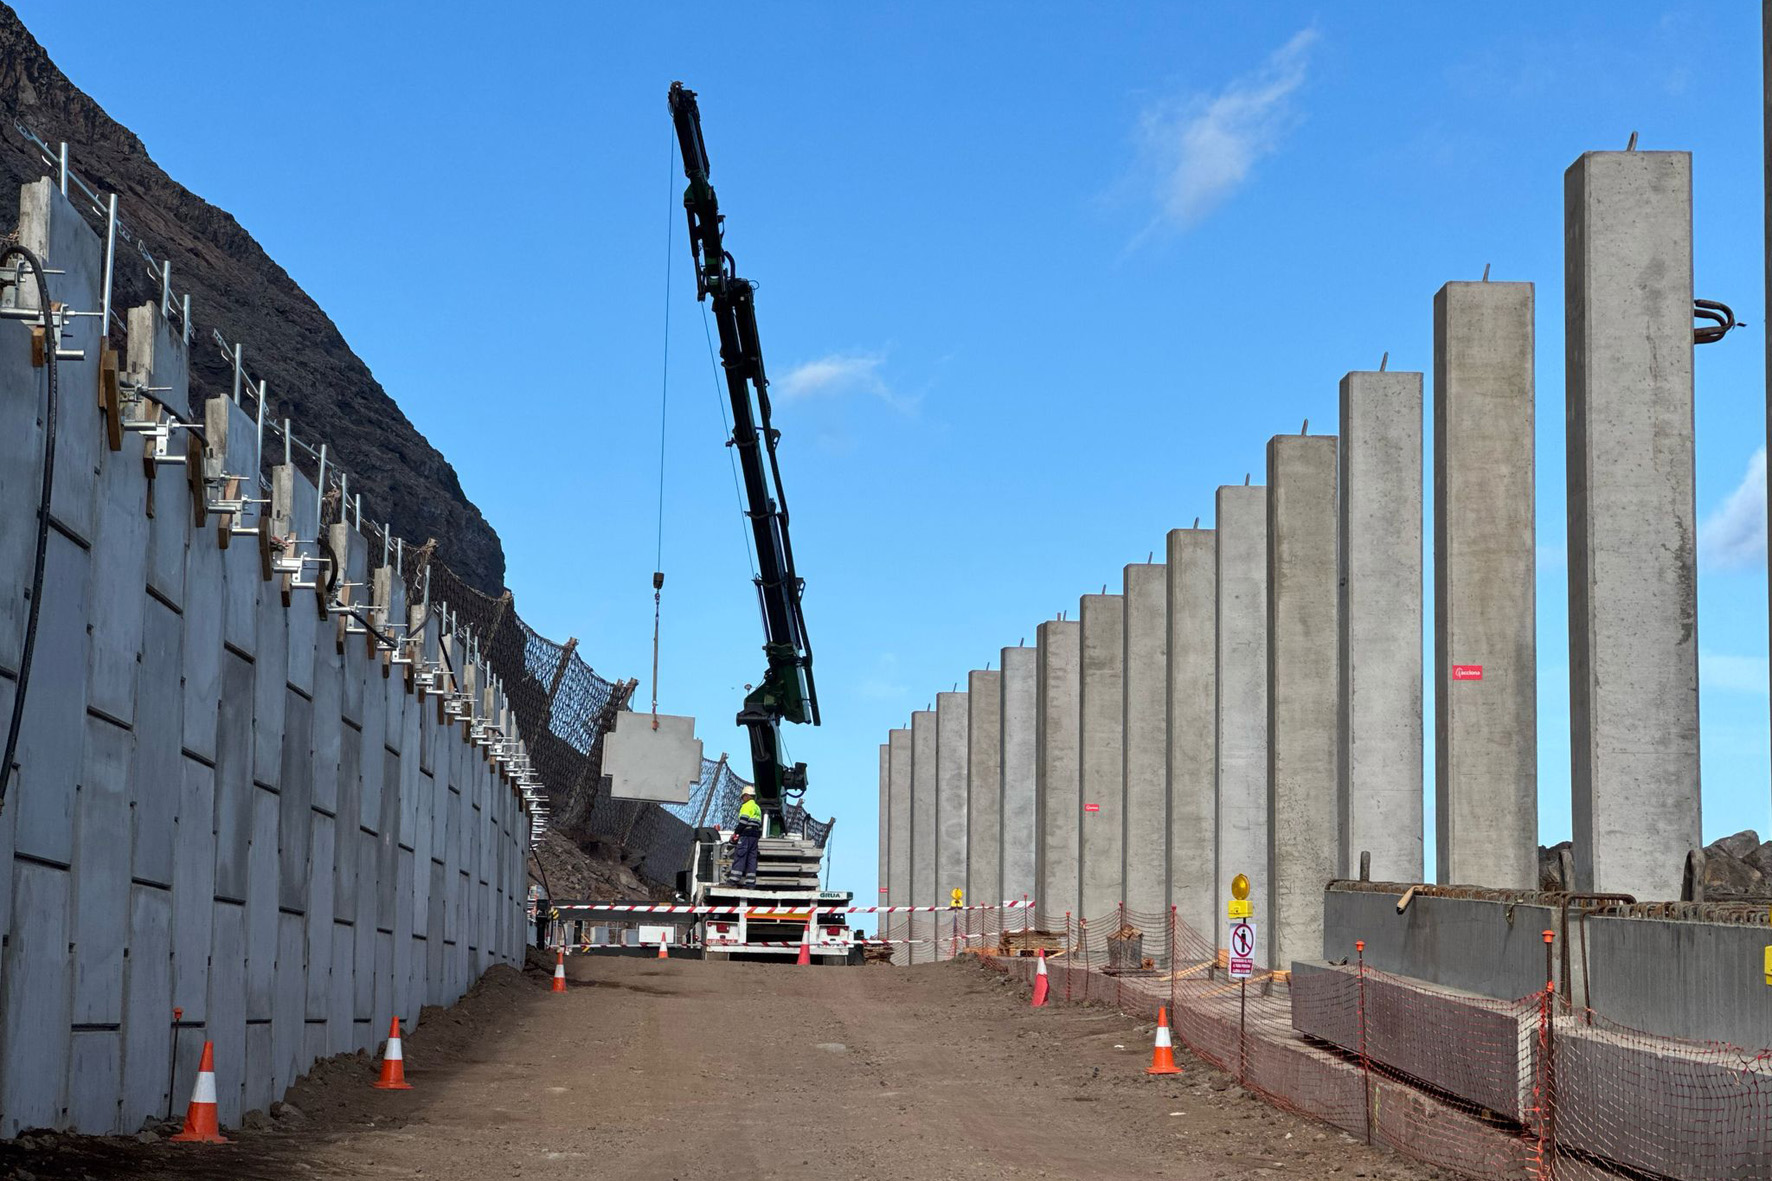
(1240, 962)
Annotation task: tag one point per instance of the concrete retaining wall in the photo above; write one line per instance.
(221, 803)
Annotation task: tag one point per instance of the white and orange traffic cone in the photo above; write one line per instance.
(393, 1063)
(1163, 1053)
(662, 953)
(1041, 985)
(560, 972)
(201, 1123)
(805, 956)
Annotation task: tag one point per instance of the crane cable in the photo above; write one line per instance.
(664, 402)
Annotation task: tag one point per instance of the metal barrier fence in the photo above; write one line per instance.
(1528, 1088)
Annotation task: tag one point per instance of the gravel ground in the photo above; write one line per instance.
(687, 1070)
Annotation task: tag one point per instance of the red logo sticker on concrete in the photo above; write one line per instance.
(882, 889)
(1467, 672)
(1091, 807)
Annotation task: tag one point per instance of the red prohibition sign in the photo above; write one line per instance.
(1242, 940)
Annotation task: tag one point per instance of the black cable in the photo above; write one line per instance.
(49, 418)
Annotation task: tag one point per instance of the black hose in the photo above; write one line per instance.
(49, 417)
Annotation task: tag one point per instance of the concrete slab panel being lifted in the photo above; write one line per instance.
(648, 763)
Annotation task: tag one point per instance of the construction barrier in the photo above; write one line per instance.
(1530, 1088)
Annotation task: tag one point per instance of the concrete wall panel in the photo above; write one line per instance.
(48, 766)
(924, 826)
(1101, 704)
(1241, 789)
(159, 764)
(1144, 753)
(1018, 696)
(1192, 744)
(984, 788)
(1058, 802)
(193, 890)
(226, 1021)
(261, 905)
(147, 1006)
(95, 1069)
(233, 778)
(101, 881)
(951, 750)
(37, 1000)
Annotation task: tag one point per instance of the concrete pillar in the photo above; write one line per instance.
(1240, 706)
(951, 808)
(1019, 699)
(1192, 744)
(1101, 705)
(1485, 593)
(1380, 620)
(1303, 686)
(923, 832)
(984, 789)
(1144, 753)
(884, 832)
(1633, 586)
(898, 873)
(1057, 802)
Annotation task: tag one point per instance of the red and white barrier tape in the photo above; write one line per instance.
(668, 908)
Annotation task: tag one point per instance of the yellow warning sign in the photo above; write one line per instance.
(957, 898)
(1239, 908)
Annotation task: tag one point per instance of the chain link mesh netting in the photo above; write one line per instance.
(564, 709)
(1534, 1087)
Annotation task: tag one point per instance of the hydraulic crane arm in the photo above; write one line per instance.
(787, 692)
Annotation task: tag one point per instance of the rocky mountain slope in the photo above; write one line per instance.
(314, 377)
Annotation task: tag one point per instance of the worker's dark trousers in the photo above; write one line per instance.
(744, 857)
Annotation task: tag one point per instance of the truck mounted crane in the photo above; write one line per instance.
(786, 906)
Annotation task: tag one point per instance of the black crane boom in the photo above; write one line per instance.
(787, 692)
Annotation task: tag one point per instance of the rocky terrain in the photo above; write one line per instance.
(1736, 868)
(314, 377)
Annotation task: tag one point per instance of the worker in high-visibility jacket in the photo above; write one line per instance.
(744, 840)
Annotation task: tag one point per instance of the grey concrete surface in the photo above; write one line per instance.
(984, 788)
(1380, 741)
(1191, 756)
(1485, 587)
(1633, 578)
(1240, 707)
(1303, 681)
(951, 750)
(883, 837)
(1020, 700)
(1057, 768)
(924, 827)
(899, 890)
(169, 840)
(1101, 707)
(1144, 746)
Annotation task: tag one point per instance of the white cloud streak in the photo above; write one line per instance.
(837, 375)
(1201, 150)
(1733, 536)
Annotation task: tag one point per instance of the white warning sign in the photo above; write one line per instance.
(1242, 950)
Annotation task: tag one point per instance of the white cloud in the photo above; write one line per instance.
(1737, 674)
(1734, 534)
(1201, 150)
(837, 373)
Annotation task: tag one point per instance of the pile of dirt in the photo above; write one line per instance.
(314, 377)
(591, 870)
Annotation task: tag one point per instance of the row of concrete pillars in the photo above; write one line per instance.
(1254, 703)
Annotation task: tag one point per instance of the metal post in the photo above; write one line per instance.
(1547, 1115)
(1172, 959)
(178, 1015)
(63, 171)
(259, 450)
(166, 295)
(286, 442)
(1067, 955)
(237, 376)
(1365, 1062)
(110, 262)
(186, 325)
(1242, 1030)
(320, 495)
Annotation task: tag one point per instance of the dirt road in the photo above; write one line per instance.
(692, 1071)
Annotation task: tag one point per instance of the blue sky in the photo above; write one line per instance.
(1033, 282)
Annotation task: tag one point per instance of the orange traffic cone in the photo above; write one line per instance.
(1041, 985)
(393, 1063)
(1163, 1053)
(662, 953)
(805, 956)
(560, 972)
(201, 1126)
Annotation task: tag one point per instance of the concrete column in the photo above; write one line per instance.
(1633, 586)
(1101, 704)
(951, 808)
(1380, 621)
(1192, 742)
(1019, 694)
(1144, 753)
(1057, 802)
(1485, 594)
(898, 873)
(1240, 705)
(884, 837)
(1303, 686)
(923, 832)
(984, 789)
